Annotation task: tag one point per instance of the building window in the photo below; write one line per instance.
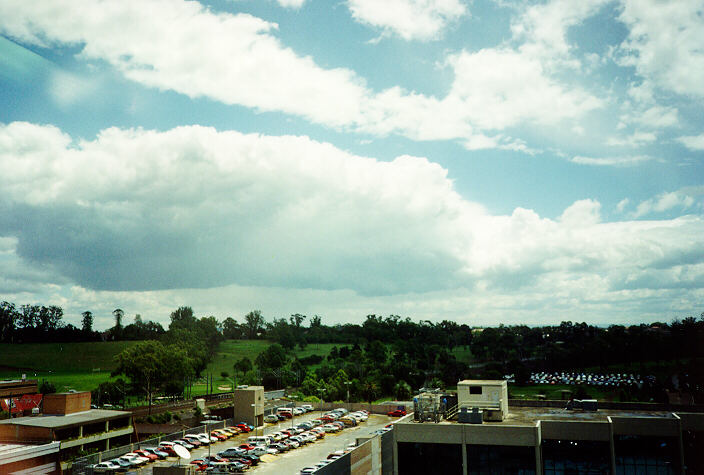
(475, 390)
(578, 457)
(429, 458)
(641, 454)
(490, 459)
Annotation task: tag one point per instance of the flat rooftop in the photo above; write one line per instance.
(54, 422)
(529, 416)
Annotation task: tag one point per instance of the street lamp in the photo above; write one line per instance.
(347, 383)
(293, 400)
(321, 391)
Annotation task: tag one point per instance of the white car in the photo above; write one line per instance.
(201, 441)
(307, 407)
(134, 460)
(106, 467)
(271, 418)
(206, 438)
(297, 411)
(260, 450)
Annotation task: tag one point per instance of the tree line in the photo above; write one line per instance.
(38, 323)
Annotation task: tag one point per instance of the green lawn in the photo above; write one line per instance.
(79, 366)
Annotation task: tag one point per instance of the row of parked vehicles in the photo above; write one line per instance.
(145, 455)
(294, 437)
(593, 379)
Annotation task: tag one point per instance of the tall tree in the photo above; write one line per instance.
(254, 324)
(87, 321)
(231, 329)
(153, 367)
(118, 313)
(183, 318)
(8, 317)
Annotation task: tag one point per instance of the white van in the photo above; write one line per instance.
(260, 439)
(284, 409)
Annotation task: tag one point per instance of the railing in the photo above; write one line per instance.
(452, 412)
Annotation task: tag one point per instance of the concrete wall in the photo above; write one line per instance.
(575, 430)
(29, 434)
(243, 409)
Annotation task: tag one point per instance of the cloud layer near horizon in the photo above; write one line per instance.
(191, 207)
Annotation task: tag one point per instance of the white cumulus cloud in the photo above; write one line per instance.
(664, 43)
(692, 142)
(409, 19)
(141, 210)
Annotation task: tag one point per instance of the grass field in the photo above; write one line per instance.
(79, 366)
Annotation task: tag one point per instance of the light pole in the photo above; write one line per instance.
(293, 406)
(321, 391)
(347, 383)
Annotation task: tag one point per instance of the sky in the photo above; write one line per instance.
(484, 161)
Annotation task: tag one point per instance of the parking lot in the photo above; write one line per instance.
(292, 461)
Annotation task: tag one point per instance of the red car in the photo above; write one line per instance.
(168, 447)
(202, 465)
(144, 453)
(397, 413)
(247, 447)
(218, 436)
(286, 414)
(243, 427)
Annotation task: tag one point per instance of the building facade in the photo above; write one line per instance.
(73, 424)
(552, 441)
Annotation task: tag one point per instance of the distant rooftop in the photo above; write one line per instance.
(529, 416)
(55, 422)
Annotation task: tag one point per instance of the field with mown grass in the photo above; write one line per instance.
(79, 366)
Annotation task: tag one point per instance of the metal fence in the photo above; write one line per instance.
(84, 465)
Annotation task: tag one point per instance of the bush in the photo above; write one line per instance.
(47, 387)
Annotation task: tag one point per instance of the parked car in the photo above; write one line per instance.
(133, 461)
(246, 447)
(168, 447)
(218, 436)
(271, 418)
(124, 464)
(396, 413)
(232, 452)
(281, 447)
(252, 458)
(107, 467)
(156, 451)
(292, 443)
(143, 453)
(243, 427)
(193, 440)
(307, 407)
(185, 444)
